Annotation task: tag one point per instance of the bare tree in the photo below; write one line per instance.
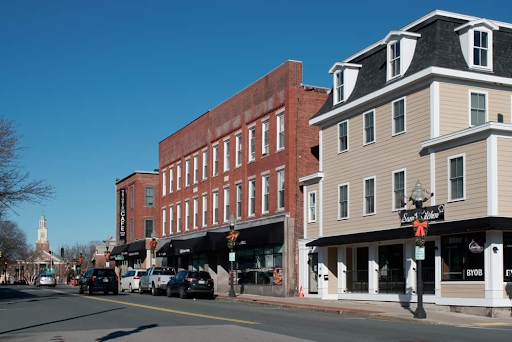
(15, 184)
(13, 241)
(73, 251)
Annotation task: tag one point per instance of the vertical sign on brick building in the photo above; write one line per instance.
(122, 214)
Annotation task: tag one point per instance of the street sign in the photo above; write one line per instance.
(231, 256)
(119, 257)
(420, 252)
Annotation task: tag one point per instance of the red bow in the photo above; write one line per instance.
(233, 234)
(420, 227)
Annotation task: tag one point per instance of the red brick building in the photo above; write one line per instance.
(242, 158)
(137, 218)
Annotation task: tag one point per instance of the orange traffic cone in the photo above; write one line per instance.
(301, 293)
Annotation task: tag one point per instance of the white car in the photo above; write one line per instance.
(131, 280)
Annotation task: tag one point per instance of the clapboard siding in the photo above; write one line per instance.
(504, 174)
(463, 290)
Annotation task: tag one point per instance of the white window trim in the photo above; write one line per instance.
(225, 165)
(187, 214)
(253, 129)
(374, 129)
(263, 175)
(171, 217)
(263, 122)
(393, 209)
(336, 99)
(187, 172)
(348, 201)
(178, 176)
(195, 205)
(215, 195)
(338, 137)
(464, 179)
(238, 142)
(280, 113)
(249, 214)
(204, 206)
(196, 168)
(205, 163)
(239, 184)
(164, 219)
(281, 169)
(171, 178)
(226, 217)
(309, 208)
(471, 37)
(215, 154)
(178, 217)
(486, 94)
(374, 196)
(164, 182)
(388, 61)
(393, 116)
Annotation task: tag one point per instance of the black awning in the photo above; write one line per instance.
(165, 250)
(137, 248)
(189, 246)
(118, 250)
(435, 229)
(269, 234)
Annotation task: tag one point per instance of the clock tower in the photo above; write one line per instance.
(42, 243)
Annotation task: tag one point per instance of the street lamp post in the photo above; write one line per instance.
(231, 243)
(107, 253)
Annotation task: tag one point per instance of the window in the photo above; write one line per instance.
(178, 177)
(132, 197)
(215, 207)
(312, 207)
(280, 189)
(259, 265)
(343, 136)
(148, 228)
(205, 164)
(164, 221)
(280, 131)
(131, 230)
(187, 172)
(478, 108)
(239, 201)
(343, 201)
(226, 154)
(398, 189)
(394, 59)
(339, 83)
(252, 144)
(187, 215)
(456, 178)
(196, 169)
(507, 257)
(178, 217)
(463, 257)
(264, 138)
(164, 182)
(171, 219)
(369, 196)
(226, 204)
(480, 48)
(150, 196)
(215, 170)
(266, 190)
(205, 210)
(171, 179)
(369, 127)
(252, 197)
(195, 213)
(238, 142)
(398, 116)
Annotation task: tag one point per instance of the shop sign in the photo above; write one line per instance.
(231, 256)
(122, 214)
(433, 213)
(184, 250)
(119, 257)
(475, 248)
(420, 252)
(508, 273)
(478, 272)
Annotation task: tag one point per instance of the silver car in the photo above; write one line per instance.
(47, 280)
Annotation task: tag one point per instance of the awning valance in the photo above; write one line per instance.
(137, 249)
(165, 250)
(118, 250)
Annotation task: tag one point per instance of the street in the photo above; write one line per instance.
(59, 314)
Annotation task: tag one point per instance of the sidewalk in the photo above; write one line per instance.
(370, 310)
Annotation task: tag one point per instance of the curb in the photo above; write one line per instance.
(344, 312)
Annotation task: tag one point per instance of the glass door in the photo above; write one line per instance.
(313, 272)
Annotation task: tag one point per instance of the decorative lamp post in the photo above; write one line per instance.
(231, 240)
(418, 196)
(107, 252)
(152, 247)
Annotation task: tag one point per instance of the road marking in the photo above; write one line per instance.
(160, 309)
(493, 324)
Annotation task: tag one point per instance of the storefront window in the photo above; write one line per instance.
(463, 257)
(198, 262)
(507, 256)
(260, 266)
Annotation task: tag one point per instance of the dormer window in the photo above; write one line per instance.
(400, 51)
(476, 43)
(394, 59)
(339, 86)
(345, 77)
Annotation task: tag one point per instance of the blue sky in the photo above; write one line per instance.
(95, 85)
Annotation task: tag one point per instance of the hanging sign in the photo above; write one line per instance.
(433, 213)
(122, 214)
(420, 252)
(231, 256)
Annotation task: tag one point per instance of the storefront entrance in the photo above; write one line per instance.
(313, 272)
(391, 269)
(357, 270)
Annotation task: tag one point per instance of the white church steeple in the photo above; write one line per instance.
(42, 235)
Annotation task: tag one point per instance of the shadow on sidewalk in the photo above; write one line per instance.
(121, 333)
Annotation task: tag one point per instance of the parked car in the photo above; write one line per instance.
(187, 283)
(47, 280)
(131, 280)
(99, 280)
(155, 279)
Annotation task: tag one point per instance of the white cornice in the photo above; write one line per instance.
(479, 22)
(338, 65)
(313, 176)
(489, 127)
(428, 72)
(392, 34)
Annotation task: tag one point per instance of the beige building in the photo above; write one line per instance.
(430, 102)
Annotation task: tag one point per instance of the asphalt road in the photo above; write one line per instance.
(46, 314)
